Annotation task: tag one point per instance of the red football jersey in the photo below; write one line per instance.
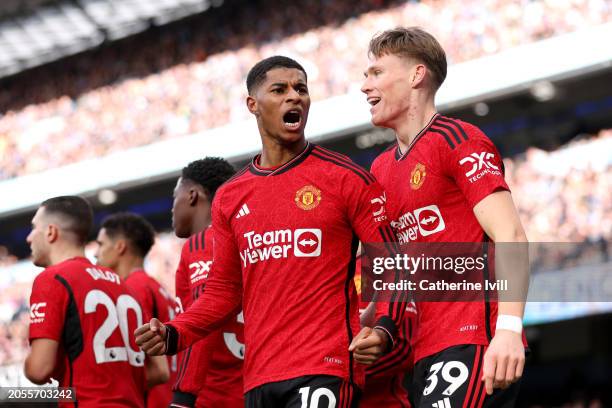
(220, 356)
(384, 379)
(91, 313)
(155, 302)
(285, 242)
(432, 189)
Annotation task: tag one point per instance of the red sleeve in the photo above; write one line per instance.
(369, 220)
(222, 297)
(181, 280)
(48, 303)
(475, 165)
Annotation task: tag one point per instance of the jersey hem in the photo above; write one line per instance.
(248, 386)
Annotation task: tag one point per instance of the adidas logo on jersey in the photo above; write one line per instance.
(445, 403)
(37, 315)
(244, 210)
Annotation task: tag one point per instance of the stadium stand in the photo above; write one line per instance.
(131, 94)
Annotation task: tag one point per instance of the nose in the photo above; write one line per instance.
(366, 87)
(293, 95)
(29, 238)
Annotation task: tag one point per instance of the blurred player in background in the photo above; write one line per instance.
(210, 373)
(286, 233)
(463, 350)
(82, 315)
(124, 240)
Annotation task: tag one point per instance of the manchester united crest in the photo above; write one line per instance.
(417, 176)
(308, 197)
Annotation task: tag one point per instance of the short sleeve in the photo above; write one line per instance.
(48, 303)
(476, 166)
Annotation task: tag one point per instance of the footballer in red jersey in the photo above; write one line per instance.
(210, 370)
(81, 315)
(385, 379)
(286, 230)
(444, 182)
(124, 240)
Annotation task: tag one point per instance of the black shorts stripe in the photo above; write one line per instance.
(449, 129)
(341, 164)
(476, 383)
(446, 137)
(345, 160)
(456, 124)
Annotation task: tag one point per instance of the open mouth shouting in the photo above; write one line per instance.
(373, 101)
(292, 119)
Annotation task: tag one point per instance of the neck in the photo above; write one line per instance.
(416, 118)
(201, 223)
(129, 265)
(275, 153)
(66, 252)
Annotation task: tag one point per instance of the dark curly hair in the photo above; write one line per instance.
(210, 173)
(257, 74)
(137, 230)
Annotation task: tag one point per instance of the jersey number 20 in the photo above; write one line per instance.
(117, 317)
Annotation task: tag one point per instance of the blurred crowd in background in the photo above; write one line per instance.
(559, 200)
(181, 80)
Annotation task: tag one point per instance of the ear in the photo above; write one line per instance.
(52, 233)
(121, 246)
(251, 104)
(418, 75)
(193, 196)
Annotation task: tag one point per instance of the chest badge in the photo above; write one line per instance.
(308, 197)
(417, 176)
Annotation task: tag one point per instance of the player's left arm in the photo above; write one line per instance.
(40, 362)
(477, 169)
(505, 357)
(48, 302)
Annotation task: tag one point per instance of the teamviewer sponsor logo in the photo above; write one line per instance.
(279, 244)
(37, 313)
(307, 242)
(429, 219)
(421, 222)
(481, 165)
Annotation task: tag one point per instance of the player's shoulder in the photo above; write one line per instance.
(196, 242)
(387, 156)
(236, 180)
(338, 164)
(454, 133)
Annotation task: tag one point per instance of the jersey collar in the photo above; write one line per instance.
(260, 171)
(398, 153)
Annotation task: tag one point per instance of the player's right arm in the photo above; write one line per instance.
(220, 301)
(48, 303)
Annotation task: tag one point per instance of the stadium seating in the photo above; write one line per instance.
(190, 79)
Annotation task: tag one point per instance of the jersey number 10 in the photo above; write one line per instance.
(117, 317)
